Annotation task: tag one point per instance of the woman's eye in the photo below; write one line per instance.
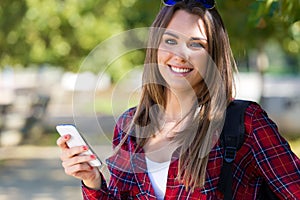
(170, 41)
(196, 45)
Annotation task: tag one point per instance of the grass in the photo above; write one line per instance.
(295, 146)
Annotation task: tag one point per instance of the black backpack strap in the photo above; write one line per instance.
(232, 138)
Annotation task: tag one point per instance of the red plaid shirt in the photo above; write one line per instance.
(265, 155)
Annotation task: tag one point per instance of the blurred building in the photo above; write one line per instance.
(278, 95)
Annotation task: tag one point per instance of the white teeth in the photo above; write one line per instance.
(180, 70)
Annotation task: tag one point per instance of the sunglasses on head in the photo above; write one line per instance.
(208, 4)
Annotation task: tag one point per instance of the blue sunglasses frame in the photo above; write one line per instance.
(208, 4)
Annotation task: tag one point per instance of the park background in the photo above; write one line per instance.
(47, 46)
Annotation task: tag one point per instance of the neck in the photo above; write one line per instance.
(179, 104)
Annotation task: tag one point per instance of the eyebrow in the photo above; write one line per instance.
(171, 34)
(192, 38)
(198, 38)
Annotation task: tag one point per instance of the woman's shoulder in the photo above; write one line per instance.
(253, 112)
(126, 117)
(258, 124)
(254, 109)
(256, 115)
(123, 125)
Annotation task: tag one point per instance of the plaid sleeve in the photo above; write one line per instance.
(279, 166)
(91, 194)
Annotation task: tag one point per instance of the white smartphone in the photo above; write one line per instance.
(77, 140)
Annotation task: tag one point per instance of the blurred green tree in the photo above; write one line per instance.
(253, 24)
(54, 31)
(63, 32)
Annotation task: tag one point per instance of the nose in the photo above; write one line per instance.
(181, 54)
(180, 59)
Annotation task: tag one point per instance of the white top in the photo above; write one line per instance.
(158, 174)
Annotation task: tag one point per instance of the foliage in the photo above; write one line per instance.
(55, 31)
(64, 32)
(253, 23)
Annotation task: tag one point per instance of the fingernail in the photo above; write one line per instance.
(85, 148)
(91, 167)
(93, 157)
(66, 136)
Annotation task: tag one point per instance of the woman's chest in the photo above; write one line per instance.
(160, 148)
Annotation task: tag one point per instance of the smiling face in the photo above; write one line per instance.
(182, 53)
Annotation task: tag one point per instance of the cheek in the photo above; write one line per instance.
(200, 62)
(162, 56)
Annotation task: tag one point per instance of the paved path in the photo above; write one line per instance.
(35, 173)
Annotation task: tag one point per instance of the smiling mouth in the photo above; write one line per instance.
(180, 70)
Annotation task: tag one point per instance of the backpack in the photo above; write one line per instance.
(232, 139)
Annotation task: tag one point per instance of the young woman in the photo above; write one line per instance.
(168, 146)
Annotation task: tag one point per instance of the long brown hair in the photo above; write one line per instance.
(196, 147)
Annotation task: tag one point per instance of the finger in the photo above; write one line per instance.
(80, 159)
(61, 141)
(75, 170)
(68, 153)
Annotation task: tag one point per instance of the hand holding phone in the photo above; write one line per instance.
(77, 140)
